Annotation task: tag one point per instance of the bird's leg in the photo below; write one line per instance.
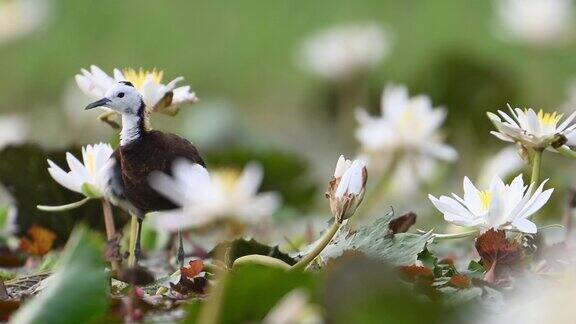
(137, 248)
(134, 220)
(180, 254)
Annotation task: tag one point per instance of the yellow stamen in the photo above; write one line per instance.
(137, 78)
(549, 119)
(90, 164)
(485, 198)
(228, 178)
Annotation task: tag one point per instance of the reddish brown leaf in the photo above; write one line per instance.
(414, 273)
(194, 268)
(447, 261)
(190, 281)
(7, 307)
(403, 223)
(38, 242)
(460, 281)
(10, 259)
(493, 246)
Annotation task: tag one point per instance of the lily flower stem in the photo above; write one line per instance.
(108, 219)
(375, 194)
(110, 229)
(536, 163)
(132, 242)
(324, 240)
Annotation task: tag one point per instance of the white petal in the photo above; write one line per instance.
(77, 168)
(536, 204)
(250, 180)
(67, 180)
(341, 166)
(525, 225)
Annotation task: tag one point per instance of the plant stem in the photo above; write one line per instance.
(63, 207)
(132, 244)
(536, 162)
(566, 151)
(108, 219)
(110, 230)
(376, 192)
(450, 236)
(324, 240)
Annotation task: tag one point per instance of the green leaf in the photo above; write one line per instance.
(77, 291)
(4, 217)
(251, 292)
(428, 258)
(475, 266)
(376, 242)
(363, 290)
(242, 247)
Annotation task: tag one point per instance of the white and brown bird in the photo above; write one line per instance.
(142, 151)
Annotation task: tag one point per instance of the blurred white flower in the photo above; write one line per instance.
(21, 17)
(294, 308)
(9, 213)
(502, 164)
(530, 129)
(14, 130)
(84, 177)
(406, 125)
(346, 189)
(204, 198)
(408, 130)
(342, 52)
(535, 22)
(158, 97)
(500, 206)
(80, 124)
(536, 301)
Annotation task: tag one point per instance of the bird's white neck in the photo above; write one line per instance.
(132, 128)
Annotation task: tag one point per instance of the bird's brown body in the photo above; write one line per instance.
(152, 151)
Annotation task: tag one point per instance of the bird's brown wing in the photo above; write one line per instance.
(154, 152)
(174, 147)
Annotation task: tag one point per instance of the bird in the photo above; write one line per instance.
(142, 151)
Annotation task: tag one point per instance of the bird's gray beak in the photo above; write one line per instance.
(100, 103)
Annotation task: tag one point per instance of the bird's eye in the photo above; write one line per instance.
(121, 95)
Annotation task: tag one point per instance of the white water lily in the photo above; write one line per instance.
(530, 129)
(205, 198)
(342, 52)
(406, 124)
(500, 206)
(407, 131)
(14, 130)
(346, 189)
(536, 22)
(84, 177)
(158, 97)
(22, 17)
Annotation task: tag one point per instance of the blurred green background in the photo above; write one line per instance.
(241, 58)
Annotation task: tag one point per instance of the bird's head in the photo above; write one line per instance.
(122, 98)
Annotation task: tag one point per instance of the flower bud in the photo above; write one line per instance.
(346, 190)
